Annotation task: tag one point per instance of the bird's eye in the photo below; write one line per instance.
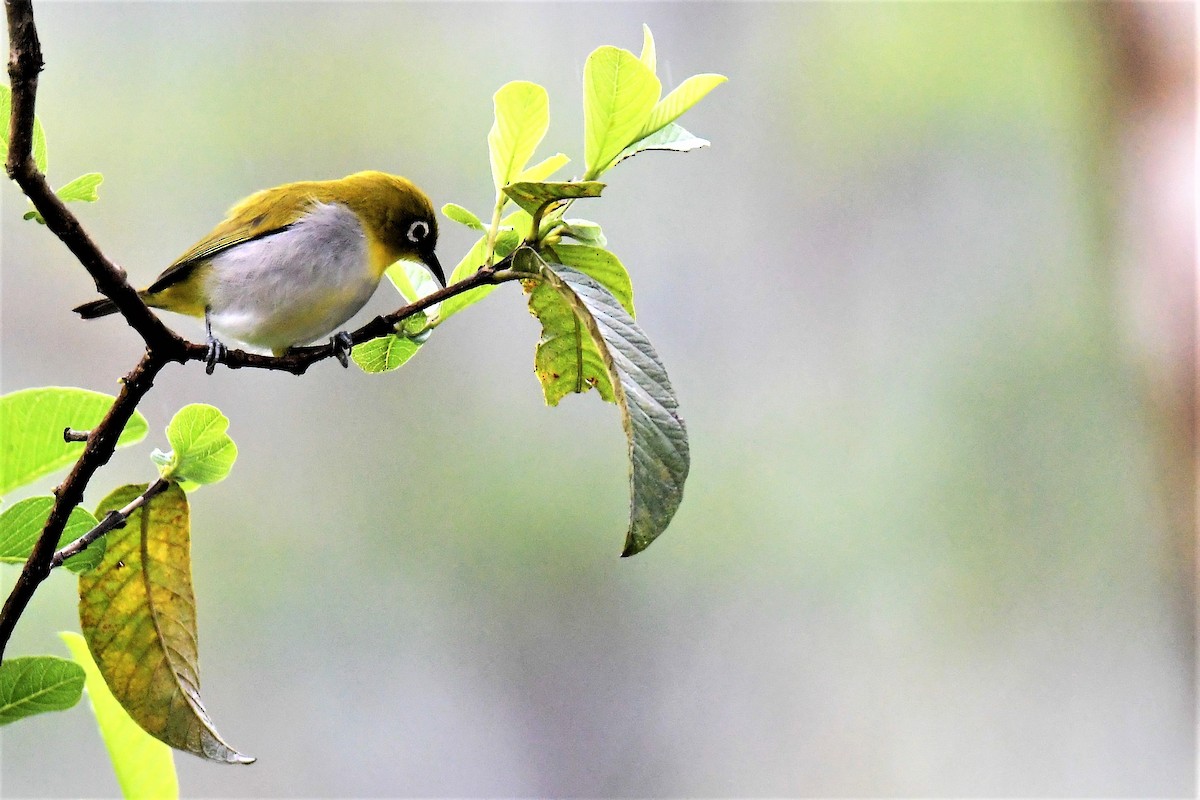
(418, 231)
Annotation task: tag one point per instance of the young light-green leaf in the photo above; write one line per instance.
(683, 97)
(201, 450)
(658, 446)
(506, 242)
(648, 56)
(462, 216)
(82, 189)
(145, 767)
(21, 524)
(671, 137)
(585, 232)
(384, 354)
(532, 196)
(38, 148)
(138, 614)
(31, 430)
(522, 118)
(543, 169)
(619, 93)
(35, 684)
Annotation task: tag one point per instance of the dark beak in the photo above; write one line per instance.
(430, 260)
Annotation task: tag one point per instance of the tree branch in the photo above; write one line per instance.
(112, 520)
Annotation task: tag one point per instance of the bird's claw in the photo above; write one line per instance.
(215, 353)
(342, 344)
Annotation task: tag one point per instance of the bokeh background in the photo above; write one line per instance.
(928, 305)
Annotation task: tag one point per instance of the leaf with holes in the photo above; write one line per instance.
(145, 767)
(21, 524)
(636, 380)
(138, 614)
(31, 430)
(36, 684)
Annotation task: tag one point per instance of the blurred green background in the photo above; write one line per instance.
(937, 535)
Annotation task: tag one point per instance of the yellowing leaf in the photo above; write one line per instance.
(145, 766)
(138, 614)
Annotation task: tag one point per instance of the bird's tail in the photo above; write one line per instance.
(97, 308)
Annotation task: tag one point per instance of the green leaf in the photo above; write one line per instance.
(683, 97)
(543, 169)
(82, 189)
(138, 615)
(658, 446)
(531, 196)
(31, 430)
(648, 57)
(585, 232)
(36, 684)
(145, 767)
(461, 215)
(507, 240)
(672, 137)
(201, 450)
(602, 266)
(619, 93)
(38, 148)
(522, 118)
(566, 360)
(384, 354)
(21, 524)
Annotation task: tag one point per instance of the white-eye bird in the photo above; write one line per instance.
(289, 265)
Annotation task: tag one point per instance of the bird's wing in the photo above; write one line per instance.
(261, 214)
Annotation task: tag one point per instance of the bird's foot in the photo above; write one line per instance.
(216, 350)
(342, 344)
(215, 353)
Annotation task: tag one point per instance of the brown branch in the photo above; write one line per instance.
(96, 453)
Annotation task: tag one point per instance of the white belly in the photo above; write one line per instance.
(295, 286)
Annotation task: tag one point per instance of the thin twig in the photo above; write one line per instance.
(112, 520)
(71, 435)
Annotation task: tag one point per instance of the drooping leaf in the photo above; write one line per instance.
(31, 430)
(619, 93)
(384, 354)
(145, 767)
(138, 615)
(462, 216)
(21, 524)
(658, 446)
(35, 684)
(201, 450)
(532, 196)
(602, 266)
(566, 360)
(672, 137)
(585, 232)
(648, 56)
(543, 169)
(681, 98)
(522, 117)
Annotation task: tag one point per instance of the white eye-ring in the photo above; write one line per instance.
(418, 231)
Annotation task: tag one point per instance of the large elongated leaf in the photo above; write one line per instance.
(35, 684)
(619, 93)
(145, 767)
(31, 430)
(138, 615)
(681, 98)
(658, 447)
(601, 266)
(522, 117)
(22, 523)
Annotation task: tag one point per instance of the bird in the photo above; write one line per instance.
(289, 265)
